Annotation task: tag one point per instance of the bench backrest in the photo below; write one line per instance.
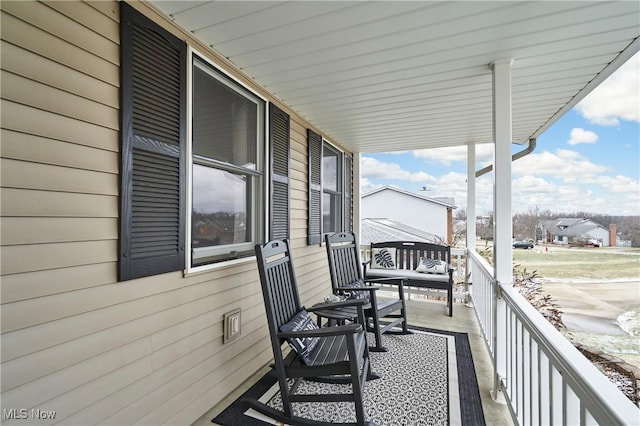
(408, 253)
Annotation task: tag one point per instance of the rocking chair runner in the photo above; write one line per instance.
(346, 279)
(318, 353)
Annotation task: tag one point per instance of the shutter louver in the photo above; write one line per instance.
(279, 136)
(153, 105)
(314, 142)
(348, 193)
(155, 205)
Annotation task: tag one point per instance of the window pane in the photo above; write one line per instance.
(221, 211)
(225, 123)
(329, 169)
(331, 208)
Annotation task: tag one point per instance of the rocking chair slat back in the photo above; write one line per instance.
(279, 287)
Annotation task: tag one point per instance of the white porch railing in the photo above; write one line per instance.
(544, 379)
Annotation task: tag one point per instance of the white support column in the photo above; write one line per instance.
(471, 214)
(471, 196)
(503, 228)
(356, 195)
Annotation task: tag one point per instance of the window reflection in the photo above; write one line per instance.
(220, 211)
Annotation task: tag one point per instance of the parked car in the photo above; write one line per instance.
(523, 244)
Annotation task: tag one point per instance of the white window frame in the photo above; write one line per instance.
(261, 161)
(340, 176)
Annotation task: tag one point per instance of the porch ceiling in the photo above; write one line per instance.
(395, 75)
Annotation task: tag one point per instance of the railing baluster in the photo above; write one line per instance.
(548, 382)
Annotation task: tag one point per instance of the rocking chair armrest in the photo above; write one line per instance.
(396, 280)
(365, 288)
(383, 279)
(337, 305)
(322, 332)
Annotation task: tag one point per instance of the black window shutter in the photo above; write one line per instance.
(314, 142)
(348, 193)
(153, 147)
(279, 137)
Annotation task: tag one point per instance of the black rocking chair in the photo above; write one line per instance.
(331, 354)
(346, 279)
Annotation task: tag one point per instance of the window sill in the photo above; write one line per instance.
(199, 270)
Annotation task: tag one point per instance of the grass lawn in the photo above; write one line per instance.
(589, 263)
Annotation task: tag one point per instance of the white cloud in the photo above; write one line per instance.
(579, 136)
(617, 98)
(563, 180)
(563, 163)
(373, 168)
(448, 155)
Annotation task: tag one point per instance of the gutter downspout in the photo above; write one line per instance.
(528, 150)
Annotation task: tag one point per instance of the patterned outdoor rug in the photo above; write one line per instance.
(427, 378)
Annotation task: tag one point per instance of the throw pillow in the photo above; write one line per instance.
(356, 294)
(430, 266)
(383, 258)
(302, 346)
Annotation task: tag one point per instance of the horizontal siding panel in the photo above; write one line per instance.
(242, 297)
(37, 68)
(26, 147)
(97, 390)
(207, 369)
(37, 392)
(110, 9)
(216, 394)
(90, 17)
(38, 257)
(22, 174)
(126, 302)
(43, 17)
(29, 92)
(297, 175)
(30, 285)
(30, 230)
(38, 41)
(298, 160)
(207, 338)
(48, 360)
(23, 202)
(25, 119)
(115, 403)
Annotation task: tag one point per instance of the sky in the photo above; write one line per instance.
(588, 161)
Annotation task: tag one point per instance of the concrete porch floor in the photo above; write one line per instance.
(426, 314)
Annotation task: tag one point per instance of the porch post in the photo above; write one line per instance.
(471, 196)
(471, 216)
(502, 229)
(356, 195)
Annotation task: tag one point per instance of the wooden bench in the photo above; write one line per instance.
(407, 259)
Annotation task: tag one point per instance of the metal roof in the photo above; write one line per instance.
(396, 75)
(380, 230)
(448, 202)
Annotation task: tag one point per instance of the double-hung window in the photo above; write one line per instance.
(330, 189)
(227, 167)
(195, 145)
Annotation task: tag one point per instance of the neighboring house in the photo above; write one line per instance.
(577, 230)
(431, 215)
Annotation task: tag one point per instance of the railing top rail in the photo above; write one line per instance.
(479, 259)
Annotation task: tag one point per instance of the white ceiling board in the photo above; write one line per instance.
(383, 76)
